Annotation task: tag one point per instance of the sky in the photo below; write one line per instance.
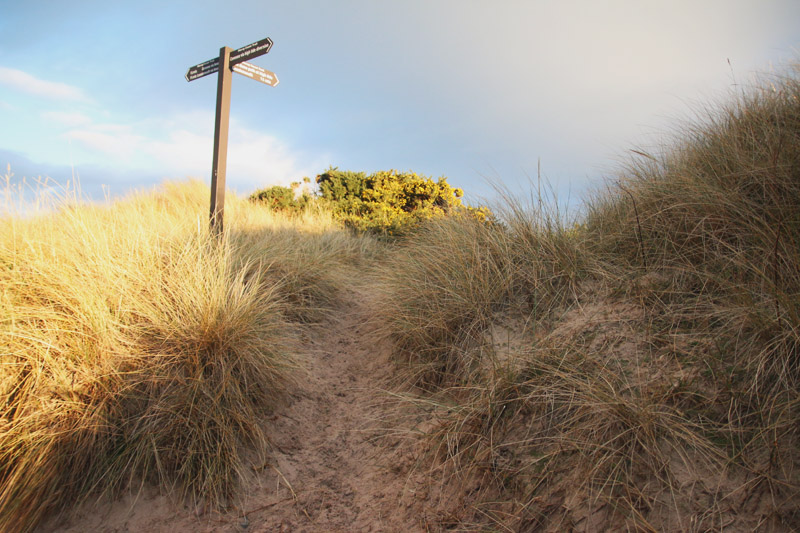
(483, 92)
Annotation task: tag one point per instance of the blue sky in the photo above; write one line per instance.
(478, 91)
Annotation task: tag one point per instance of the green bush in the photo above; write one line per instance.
(387, 202)
(279, 198)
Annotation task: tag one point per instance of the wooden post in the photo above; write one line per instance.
(221, 140)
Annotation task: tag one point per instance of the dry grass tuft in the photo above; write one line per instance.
(720, 218)
(439, 290)
(443, 286)
(137, 346)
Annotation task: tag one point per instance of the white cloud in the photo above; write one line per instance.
(255, 159)
(27, 83)
(181, 151)
(181, 145)
(113, 140)
(67, 118)
(259, 159)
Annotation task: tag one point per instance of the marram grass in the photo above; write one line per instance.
(136, 346)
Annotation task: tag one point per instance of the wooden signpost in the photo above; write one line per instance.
(227, 62)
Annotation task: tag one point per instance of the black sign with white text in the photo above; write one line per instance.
(251, 50)
(240, 55)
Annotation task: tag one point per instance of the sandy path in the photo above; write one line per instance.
(327, 471)
(325, 442)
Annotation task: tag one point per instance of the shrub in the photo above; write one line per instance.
(387, 202)
(281, 199)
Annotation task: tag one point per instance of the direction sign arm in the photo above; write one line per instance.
(250, 51)
(256, 73)
(203, 69)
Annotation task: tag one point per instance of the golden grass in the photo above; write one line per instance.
(438, 290)
(137, 346)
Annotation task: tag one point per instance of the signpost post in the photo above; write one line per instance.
(228, 61)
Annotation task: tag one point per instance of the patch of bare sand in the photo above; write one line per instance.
(329, 469)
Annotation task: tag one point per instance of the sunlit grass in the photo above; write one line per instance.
(138, 346)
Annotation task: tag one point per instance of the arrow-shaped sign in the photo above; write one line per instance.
(251, 50)
(241, 55)
(257, 73)
(203, 69)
